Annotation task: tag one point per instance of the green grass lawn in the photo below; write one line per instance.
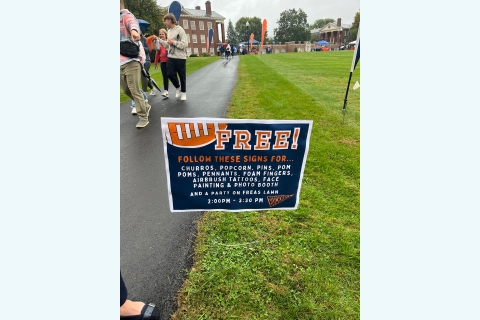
(292, 264)
(193, 64)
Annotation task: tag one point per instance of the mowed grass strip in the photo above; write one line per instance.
(193, 64)
(295, 264)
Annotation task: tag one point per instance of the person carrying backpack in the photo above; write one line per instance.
(131, 63)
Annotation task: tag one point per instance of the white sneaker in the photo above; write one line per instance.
(134, 110)
(152, 92)
(177, 94)
(165, 94)
(184, 96)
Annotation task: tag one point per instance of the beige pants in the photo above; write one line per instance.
(130, 74)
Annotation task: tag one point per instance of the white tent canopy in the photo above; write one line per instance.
(353, 42)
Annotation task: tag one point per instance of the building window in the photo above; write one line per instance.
(194, 38)
(188, 37)
(202, 38)
(185, 24)
(212, 52)
(195, 50)
(200, 25)
(209, 25)
(192, 23)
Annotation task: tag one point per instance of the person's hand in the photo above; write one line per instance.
(155, 66)
(170, 41)
(135, 35)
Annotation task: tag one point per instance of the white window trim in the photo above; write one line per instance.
(195, 50)
(192, 25)
(194, 38)
(202, 38)
(185, 24)
(201, 25)
(209, 25)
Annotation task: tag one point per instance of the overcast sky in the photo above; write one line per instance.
(271, 9)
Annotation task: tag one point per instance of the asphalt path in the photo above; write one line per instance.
(157, 245)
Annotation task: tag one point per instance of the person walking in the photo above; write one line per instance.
(134, 109)
(162, 56)
(228, 50)
(222, 51)
(143, 79)
(130, 67)
(146, 66)
(177, 55)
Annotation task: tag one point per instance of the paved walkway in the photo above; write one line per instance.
(156, 245)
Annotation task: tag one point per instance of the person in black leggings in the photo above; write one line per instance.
(161, 56)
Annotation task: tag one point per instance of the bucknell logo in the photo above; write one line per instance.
(192, 135)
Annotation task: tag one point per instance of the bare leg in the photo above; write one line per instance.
(131, 308)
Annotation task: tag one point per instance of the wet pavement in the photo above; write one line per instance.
(157, 245)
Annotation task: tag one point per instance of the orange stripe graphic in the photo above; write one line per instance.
(187, 134)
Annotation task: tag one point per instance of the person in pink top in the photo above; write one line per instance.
(130, 68)
(162, 56)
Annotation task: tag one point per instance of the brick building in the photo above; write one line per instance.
(196, 23)
(336, 34)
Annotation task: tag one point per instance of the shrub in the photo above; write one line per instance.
(205, 54)
(295, 50)
(194, 55)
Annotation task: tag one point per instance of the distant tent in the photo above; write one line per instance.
(322, 42)
(254, 41)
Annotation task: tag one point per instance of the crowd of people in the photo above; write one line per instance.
(227, 51)
(171, 52)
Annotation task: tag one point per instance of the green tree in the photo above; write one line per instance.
(292, 26)
(255, 27)
(320, 23)
(232, 36)
(352, 35)
(150, 11)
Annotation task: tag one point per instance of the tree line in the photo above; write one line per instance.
(292, 25)
(150, 11)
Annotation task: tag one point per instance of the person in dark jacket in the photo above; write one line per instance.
(146, 66)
